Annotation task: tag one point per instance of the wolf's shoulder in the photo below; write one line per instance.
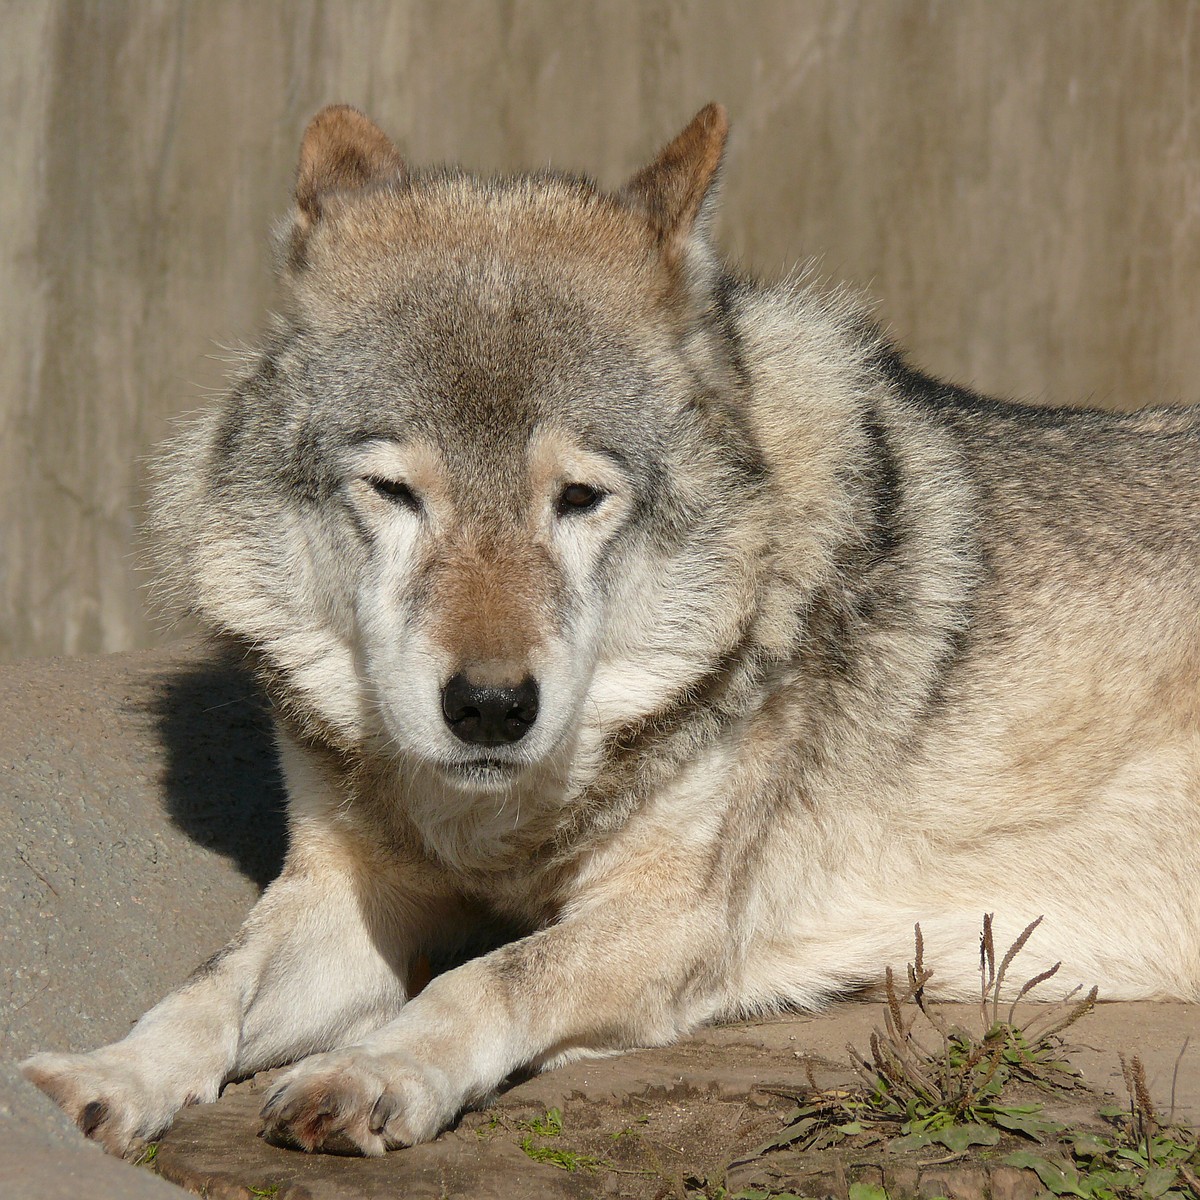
(978, 415)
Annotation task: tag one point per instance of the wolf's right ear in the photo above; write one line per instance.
(342, 151)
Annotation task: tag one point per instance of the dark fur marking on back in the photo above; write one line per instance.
(887, 493)
(232, 427)
(722, 307)
(864, 591)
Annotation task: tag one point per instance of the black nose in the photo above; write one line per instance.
(489, 714)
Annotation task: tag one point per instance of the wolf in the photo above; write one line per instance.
(648, 646)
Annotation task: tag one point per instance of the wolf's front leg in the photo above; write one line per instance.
(611, 980)
(304, 974)
(320, 961)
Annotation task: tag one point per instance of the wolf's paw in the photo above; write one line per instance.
(358, 1102)
(107, 1094)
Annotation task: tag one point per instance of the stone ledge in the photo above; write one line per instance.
(142, 812)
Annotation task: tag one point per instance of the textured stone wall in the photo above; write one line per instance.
(1018, 184)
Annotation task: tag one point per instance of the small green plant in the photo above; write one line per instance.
(1140, 1160)
(928, 1082)
(551, 1126)
(271, 1190)
(629, 1130)
(567, 1160)
(959, 1081)
(146, 1156)
(490, 1127)
(548, 1126)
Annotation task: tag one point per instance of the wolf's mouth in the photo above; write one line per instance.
(486, 771)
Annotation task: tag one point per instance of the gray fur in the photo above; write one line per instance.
(826, 648)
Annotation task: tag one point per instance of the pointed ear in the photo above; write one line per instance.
(342, 151)
(672, 189)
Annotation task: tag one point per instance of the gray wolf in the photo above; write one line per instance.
(665, 624)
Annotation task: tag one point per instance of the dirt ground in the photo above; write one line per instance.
(141, 812)
(666, 1123)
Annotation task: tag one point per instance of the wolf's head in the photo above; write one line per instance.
(486, 493)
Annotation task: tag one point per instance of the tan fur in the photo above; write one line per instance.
(822, 648)
(673, 188)
(342, 151)
(483, 594)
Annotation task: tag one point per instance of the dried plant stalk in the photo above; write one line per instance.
(960, 1072)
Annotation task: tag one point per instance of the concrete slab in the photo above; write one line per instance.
(140, 814)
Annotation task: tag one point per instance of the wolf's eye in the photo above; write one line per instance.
(393, 489)
(578, 498)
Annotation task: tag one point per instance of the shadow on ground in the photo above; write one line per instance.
(222, 778)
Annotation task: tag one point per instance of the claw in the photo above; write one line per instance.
(385, 1109)
(94, 1114)
(269, 1104)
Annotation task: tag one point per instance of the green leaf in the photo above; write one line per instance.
(1057, 1177)
(1158, 1180)
(927, 1122)
(787, 1135)
(1026, 1123)
(1133, 1156)
(867, 1191)
(566, 1160)
(1024, 1159)
(548, 1126)
(913, 1141)
(959, 1137)
(1168, 1148)
(1089, 1146)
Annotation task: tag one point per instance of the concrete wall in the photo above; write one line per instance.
(1018, 184)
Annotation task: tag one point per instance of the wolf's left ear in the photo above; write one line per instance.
(672, 190)
(343, 151)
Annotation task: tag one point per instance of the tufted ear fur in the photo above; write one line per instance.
(672, 190)
(342, 151)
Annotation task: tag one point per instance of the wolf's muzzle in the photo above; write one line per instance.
(488, 714)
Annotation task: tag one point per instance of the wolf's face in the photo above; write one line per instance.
(493, 464)
(481, 604)
(494, 476)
